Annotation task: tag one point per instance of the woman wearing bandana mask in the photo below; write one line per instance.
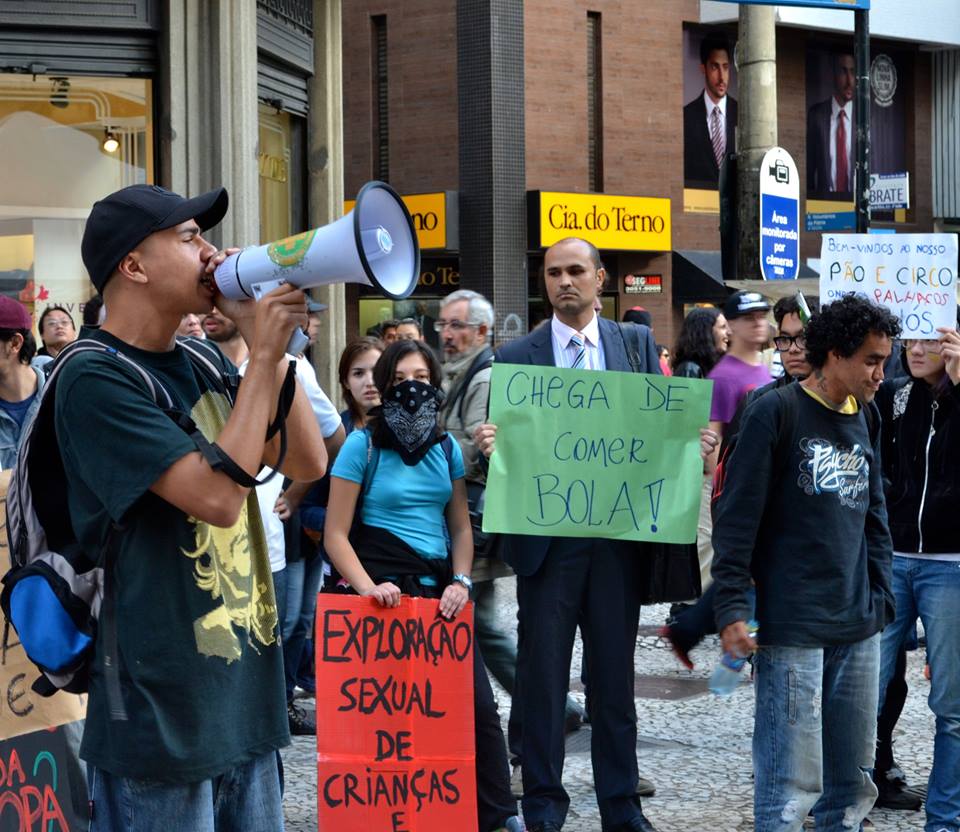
(414, 498)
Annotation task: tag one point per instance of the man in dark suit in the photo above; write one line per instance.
(830, 132)
(565, 581)
(709, 121)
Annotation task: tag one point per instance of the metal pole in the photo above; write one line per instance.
(861, 116)
(756, 125)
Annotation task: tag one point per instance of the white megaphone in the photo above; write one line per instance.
(375, 244)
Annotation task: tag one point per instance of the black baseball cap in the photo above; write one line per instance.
(743, 303)
(120, 222)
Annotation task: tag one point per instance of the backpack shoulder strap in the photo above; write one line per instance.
(373, 460)
(447, 444)
(789, 419)
(481, 361)
(631, 345)
(785, 429)
(871, 413)
(208, 361)
(151, 382)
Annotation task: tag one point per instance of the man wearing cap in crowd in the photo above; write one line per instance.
(201, 712)
(741, 369)
(20, 383)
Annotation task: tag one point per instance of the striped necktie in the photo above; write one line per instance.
(581, 358)
(717, 138)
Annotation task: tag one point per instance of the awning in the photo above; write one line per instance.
(698, 276)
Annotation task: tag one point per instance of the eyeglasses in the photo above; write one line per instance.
(784, 342)
(454, 324)
(929, 344)
(57, 322)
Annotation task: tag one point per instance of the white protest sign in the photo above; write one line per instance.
(913, 275)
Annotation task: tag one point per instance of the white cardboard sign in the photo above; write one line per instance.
(913, 275)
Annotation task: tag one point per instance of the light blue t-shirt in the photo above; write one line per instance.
(406, 500)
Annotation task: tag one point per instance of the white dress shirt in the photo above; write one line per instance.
(848, 124)
(565, 353)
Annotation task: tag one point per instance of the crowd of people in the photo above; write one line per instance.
(828, 526)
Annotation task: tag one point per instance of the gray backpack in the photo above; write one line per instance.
(55, 595)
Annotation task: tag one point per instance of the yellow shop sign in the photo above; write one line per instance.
(625, 223)
(430, 218)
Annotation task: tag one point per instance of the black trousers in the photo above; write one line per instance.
(596, 584)
(495, 802)
(893, 702)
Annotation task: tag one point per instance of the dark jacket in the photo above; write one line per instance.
(689, 369)
(921, 465)
(700, 169)
(802, 517)
(525, 553)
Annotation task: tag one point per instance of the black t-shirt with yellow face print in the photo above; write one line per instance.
(200, 666)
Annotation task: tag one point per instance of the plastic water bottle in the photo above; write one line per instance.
(726, 675)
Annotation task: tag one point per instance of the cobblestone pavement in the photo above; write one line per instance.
(694, 747)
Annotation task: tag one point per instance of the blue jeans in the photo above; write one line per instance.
(930, 590)
(815, 735)
(303, 583)
(244, 798)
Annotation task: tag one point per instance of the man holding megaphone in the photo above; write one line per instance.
(194, 703)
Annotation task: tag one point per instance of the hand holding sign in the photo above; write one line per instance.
(453, 600)
(485, 436)
(385, 594)
(950, 351)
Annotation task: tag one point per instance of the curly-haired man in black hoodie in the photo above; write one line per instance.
(802, 516)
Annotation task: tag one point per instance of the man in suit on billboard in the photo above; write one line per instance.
(830, 131)
(709, 121)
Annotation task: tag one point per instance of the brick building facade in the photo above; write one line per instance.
(639, 51)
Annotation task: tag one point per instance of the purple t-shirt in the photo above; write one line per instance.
(732, 380)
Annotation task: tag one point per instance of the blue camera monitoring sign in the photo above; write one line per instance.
(779, 216)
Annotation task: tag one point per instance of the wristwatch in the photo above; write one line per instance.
(463, 580)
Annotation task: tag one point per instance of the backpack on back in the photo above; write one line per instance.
(55, 595)
(785, 430)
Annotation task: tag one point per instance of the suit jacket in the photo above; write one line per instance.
(818, 153)
(524, 552)
(700, 169)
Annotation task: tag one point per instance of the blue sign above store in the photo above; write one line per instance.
(816, 4)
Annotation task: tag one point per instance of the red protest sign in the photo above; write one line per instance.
(395, 727)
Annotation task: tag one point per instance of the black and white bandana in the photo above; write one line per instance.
(409, 419)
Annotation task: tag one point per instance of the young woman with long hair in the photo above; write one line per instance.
(703, 339)
(356, 380)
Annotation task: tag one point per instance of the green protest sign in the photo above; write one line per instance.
(587, 454)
